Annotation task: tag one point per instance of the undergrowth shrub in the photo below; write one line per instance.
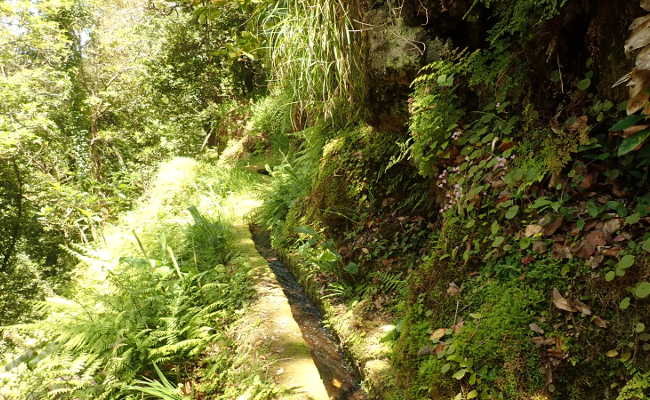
(271, 118)
(316, 58)
(289, 185)
(166, 299)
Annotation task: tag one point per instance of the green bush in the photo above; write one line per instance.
(165, 296)
(271, 117)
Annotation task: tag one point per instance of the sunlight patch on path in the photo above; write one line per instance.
(269, 325)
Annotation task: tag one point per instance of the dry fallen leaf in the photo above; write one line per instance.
(539, 247)
(456, 328)
(453, 289)
(551, 228)
(588, 181)
(535, 328)
(532, 230)
(640, 36)
(612, 225)
(600, 322)
(595, 261)
(645, 4)
(582, 307)
(438, 334)
(562, 251)
(590, 243)
(638, 22)
(643, 58)
(560, 302)
(639, 83)
(611, 252)
(622, 237)
(542, 341)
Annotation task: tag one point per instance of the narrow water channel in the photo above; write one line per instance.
(340, 378)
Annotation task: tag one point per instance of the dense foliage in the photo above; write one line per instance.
(456, 182)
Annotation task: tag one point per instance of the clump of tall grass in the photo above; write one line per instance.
(316, 56)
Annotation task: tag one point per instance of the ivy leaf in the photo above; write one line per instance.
(498, 241)
(610, 276)
(459, 374)
(633, 219)
(472, 395)
(639, 327)
(512, 212)
(626, 123)
(584, 84)
(625, 262)
(625, 303)
(541, 202)
(642, 290)
(445, 368)
(633, 143)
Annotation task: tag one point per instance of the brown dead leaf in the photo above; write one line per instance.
(532, 230)
(540, 341)
(440, 348)
(588, 181)
(639, 21)
(456, 328)
(597, 238)
(560, 302)
(622, 237)
(639, 83)
(539, 247)
(506, 145)
(551, 228)
(611, 252)
(453, 289)
(618, 191)
(590, 243)
(535, 328)
(580, 124)
(600, 322)
(640, 36)
(562, 251)
(612, 225)
(527, 260)
(438, 334)
(582, 307)
(595, 261)
(591, 225)
(645, 4)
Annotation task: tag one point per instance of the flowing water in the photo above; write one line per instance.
(339, 376)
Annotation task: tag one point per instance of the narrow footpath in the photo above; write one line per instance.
(285, 327)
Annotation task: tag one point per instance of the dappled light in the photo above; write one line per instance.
(324, 200)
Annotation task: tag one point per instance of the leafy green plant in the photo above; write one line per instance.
(158, 389)
(316, 58)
